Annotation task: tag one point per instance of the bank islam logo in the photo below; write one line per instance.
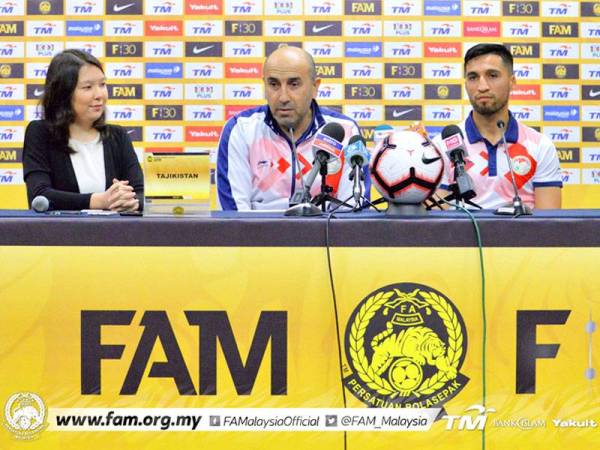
(405, 344)
(25, 415)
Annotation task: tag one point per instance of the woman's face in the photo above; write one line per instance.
(90, 95)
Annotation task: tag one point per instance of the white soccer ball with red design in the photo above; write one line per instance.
(406, 167)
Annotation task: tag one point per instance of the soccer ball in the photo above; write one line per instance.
(406, 168)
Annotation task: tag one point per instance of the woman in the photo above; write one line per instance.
(72, 157)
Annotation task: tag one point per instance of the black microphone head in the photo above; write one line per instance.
(451, 130)
(40, 204)
(334, 130)
(356, 138)
(500, 124)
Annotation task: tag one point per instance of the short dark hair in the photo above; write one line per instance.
(61, 81)
(494, 49)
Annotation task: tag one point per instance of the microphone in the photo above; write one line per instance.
(357, 156)
(517, 208)
(327, 146)
(298, 196)
(452, 138)
(40, 204)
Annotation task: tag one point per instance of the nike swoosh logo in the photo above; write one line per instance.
(402, 113)
(197, 51)
(317, 29)
(429, 160)
(594, 93)
(38, 92)
(119, 8)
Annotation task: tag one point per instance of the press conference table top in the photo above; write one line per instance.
(551, 228)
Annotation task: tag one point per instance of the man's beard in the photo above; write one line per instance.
(490, 109)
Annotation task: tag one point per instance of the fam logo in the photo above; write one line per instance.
(25, 415)
(405, 344)
(357, 7)
(406, 8)
(14, 28)
(482, 8)
(561, 71)
(329, 70)
(590, 9)
(524, 50)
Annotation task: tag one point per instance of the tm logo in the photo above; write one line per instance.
(245, 92)
(364, 29)
(405, 92)
(445, 113)
(563, 135)
(244, 8)
(443, 30)
(325, 92)
(404, 50)
(205, 28)
(469, 422)
(205, 114)
(165, 50)
(125, 29)
(325, 8)
(163, 93)
(165, 8)
(245, 50)
(123, 72)
(285, 28)
(7, 92)
(594, 32)
(444, 72)
(523, 72)
(8, 50)
(86, 8)
(561, 93)
(126, 113)
(365, 71)
(364, 114)
(521, 30)
(524, 114)
(204, 71)
(40, 73)
(481, 10)
(323, 51)
(7, 135)
(404, 8)
(7, 8)
(561, 51)
(46, 29)
(165, 135)
(560, 10)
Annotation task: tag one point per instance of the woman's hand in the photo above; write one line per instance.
(119, 197)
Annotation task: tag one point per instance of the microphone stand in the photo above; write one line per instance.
(517, 208)
(300, 204)
(324, 196)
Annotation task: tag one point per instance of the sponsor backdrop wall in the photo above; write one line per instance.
(179, 69)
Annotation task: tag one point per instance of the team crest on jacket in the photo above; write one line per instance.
(405, 344)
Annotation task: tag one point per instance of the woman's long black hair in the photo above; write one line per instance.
(61, 81)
